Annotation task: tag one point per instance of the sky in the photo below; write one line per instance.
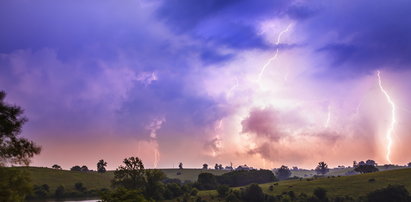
(256, 82)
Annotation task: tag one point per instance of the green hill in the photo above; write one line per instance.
(354, 186)
(97, 181)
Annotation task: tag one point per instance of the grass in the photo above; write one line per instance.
(354, 186)
(94, 180)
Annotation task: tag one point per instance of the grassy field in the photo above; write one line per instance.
(354, 186)
(94, 180)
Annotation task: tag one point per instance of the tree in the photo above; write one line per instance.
(364, 168)
(131, 175)
(101, 166)
(371, 162)
(207, 181)
(322, 168)
(14, 184)
(59, 193)
(253, 193)
(14, 149)
(205, 166)
(75, 168)
(84, 169)
(216, 166)
(154, 188)
(57, 167)
(409, 164)
(222, 190)
(220, 167)
(320, 193)
(180, 165)
(392, 193)
(79, 187)
(283, 172)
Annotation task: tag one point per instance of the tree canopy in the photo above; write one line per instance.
(14, 149)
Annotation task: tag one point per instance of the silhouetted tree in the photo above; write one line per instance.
(409, 164)
(371, 162)
(364, 168)
(220, 167)
(180, 165)
(322, 168)
(14, 149)
(205, 166)
(216, 166)
(101, 166)
(283, 172)
(84, 169)
(253, 193)
(75, 168)
(131, 175)
(57, 167)
(392, 193)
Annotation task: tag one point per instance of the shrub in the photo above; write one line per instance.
(223, 190)
(392, 193)
(253, 193)
(320, 193)
(59, 193)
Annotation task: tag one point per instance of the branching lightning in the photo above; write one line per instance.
(393, 120)
(275, 54)
(230, 91)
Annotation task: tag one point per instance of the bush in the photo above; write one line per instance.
(194, 192)
(321, 193)
(222, 190)
(122, 194)
(243, 177)
(14, 184)
(392, 193)
(253, 193)
(59, 193)
(207, 181)
(79, 187)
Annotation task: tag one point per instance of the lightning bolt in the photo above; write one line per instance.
(393, 120)
(230, 91)
(327, 122)
(275, 54)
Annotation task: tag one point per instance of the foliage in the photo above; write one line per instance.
(222, 190)
(206, 181)
(253, 193)
(75, 168)
(131, 175)
(80, 187)
(180, 165)
(60, 191)
(14, 149)
(205, 166)
(101, 166)
(154, 188)
(283, 172)
(57, 167)
(364, 168)
(84, 169)
(320, 193)
(322, 168)
(392, 193)
(14, 185)
(243, 177)
(122, 195)
(41, 191)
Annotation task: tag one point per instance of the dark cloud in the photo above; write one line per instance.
(223, 23)
(263, 123)
(367, 35)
